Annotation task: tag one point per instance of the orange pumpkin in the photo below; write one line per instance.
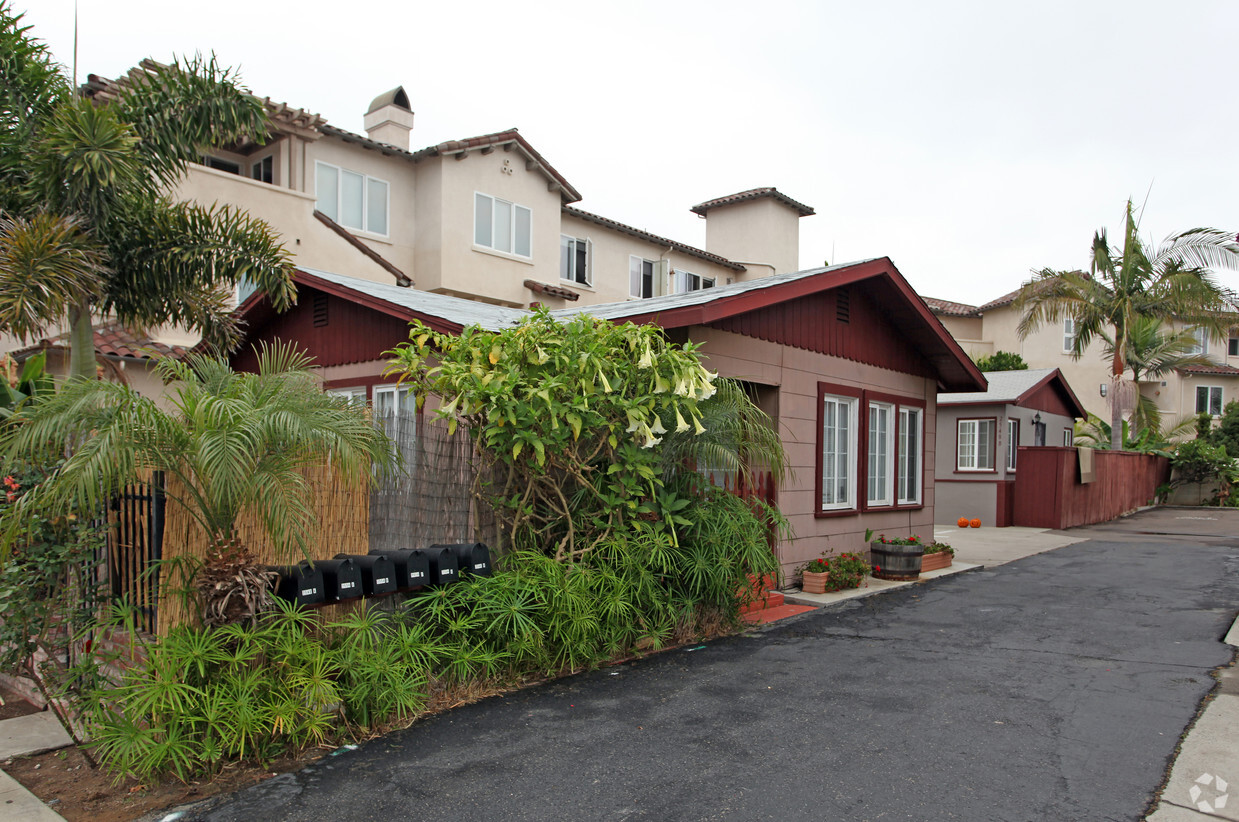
(976, 523)
(963, 522)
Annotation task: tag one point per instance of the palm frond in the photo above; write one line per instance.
(47, 263)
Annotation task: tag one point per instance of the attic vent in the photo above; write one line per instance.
(843, 305)
(320, 310)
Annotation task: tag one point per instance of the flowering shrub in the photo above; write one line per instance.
(915, 539)
(847, 570)
(939, 548)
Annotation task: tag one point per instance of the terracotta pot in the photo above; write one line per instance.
(815, 582)
(935, 562)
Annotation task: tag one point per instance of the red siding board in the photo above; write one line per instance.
(1048, 492)
(1047, 398)
(353, 333)
(811, 323)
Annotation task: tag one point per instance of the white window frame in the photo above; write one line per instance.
(574, 245)
(1211, 392)
(909, 475)
(1232, 346)
(968, 432)
(1013, 443)
(683, 281)
(367, 181)
(1202, 342)
(1069, 334)
(880, 447)
(356, 393)
(845, 459)
(513, 238)
(1069, 437)
(634, 260)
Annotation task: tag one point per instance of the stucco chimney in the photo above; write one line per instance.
(759, 228)
(390, 119)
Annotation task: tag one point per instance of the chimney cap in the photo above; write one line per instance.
(395, 97)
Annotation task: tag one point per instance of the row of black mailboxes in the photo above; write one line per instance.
(349, 576)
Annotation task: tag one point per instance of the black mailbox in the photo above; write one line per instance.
(444, 569)
(412, 567)
(472, 557)
(341, 578)
(300, 584)
(378, 574)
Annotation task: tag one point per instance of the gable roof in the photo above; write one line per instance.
(451, 314)
(653, 238)
(439, 311)
(1015, 387)
(754, 194)
(903, 306)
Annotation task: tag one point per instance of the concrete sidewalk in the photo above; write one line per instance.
(24, 736)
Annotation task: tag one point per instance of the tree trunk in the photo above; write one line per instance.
(1116, 391)
(81, 342)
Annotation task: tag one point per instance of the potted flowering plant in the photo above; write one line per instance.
(937, 555)
(897, 558)
(833, 573)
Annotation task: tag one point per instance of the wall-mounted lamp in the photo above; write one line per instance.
(1104, 387)
(1037, 419)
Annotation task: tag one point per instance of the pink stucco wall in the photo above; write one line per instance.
(795, 373)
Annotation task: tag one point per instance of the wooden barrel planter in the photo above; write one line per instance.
(896, 562)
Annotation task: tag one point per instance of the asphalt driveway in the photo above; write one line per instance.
(1054, 687)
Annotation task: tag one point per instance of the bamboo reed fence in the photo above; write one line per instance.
(426, 502)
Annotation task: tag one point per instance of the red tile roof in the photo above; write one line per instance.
(112, 340)
(653, 238)
(947, 307)
(754, 194)
(1004, 300)
(1212, 370)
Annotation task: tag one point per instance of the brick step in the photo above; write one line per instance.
(769, 599)
(772, 614)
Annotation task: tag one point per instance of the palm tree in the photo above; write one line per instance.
(235, 443)
(84, 188)
(1172, 283)
(1154, 351)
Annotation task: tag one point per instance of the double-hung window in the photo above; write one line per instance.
(908, 483)
(263, 170)
(1013, 442)
(1069, 334)
(685, 281)
(502, 226)
(881, 436)
(1069, 437)
(352, 199)
(574, 260)
(838, 489)
(1232, 347)
(640, 277)
(975, 445)
(1209, 400)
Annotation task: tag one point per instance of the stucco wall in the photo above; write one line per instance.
(796, 373)
(612, 249)
(1043, 348)
(763, 230)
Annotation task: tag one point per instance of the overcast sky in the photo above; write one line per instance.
(969, 142)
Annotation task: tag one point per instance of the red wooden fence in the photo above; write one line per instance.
(1049, 494)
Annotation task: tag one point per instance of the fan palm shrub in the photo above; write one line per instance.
(234, 442)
